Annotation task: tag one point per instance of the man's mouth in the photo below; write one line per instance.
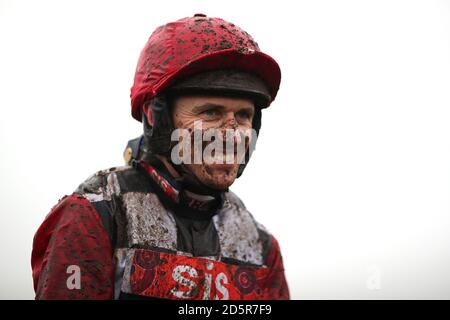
(227, 158)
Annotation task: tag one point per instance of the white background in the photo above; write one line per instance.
(352, 168)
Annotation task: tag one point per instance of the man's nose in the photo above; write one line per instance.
(230, 120)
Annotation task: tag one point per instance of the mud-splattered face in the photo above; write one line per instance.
(223, 114)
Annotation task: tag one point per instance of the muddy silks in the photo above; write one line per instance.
(129, 244)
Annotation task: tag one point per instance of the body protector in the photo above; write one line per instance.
(119, 228)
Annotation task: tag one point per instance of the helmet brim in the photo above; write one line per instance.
(256, 62)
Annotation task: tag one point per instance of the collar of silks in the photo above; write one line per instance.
(182, 201)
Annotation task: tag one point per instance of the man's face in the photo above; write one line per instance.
(222, 114)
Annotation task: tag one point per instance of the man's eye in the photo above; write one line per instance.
(210, 113)
(244, 114)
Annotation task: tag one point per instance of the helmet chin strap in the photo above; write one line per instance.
(157, 137)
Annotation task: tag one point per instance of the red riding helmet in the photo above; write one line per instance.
(195, 45)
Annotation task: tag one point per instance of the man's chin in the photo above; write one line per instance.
(220, 176)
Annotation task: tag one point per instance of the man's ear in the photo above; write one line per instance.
(147, 109)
